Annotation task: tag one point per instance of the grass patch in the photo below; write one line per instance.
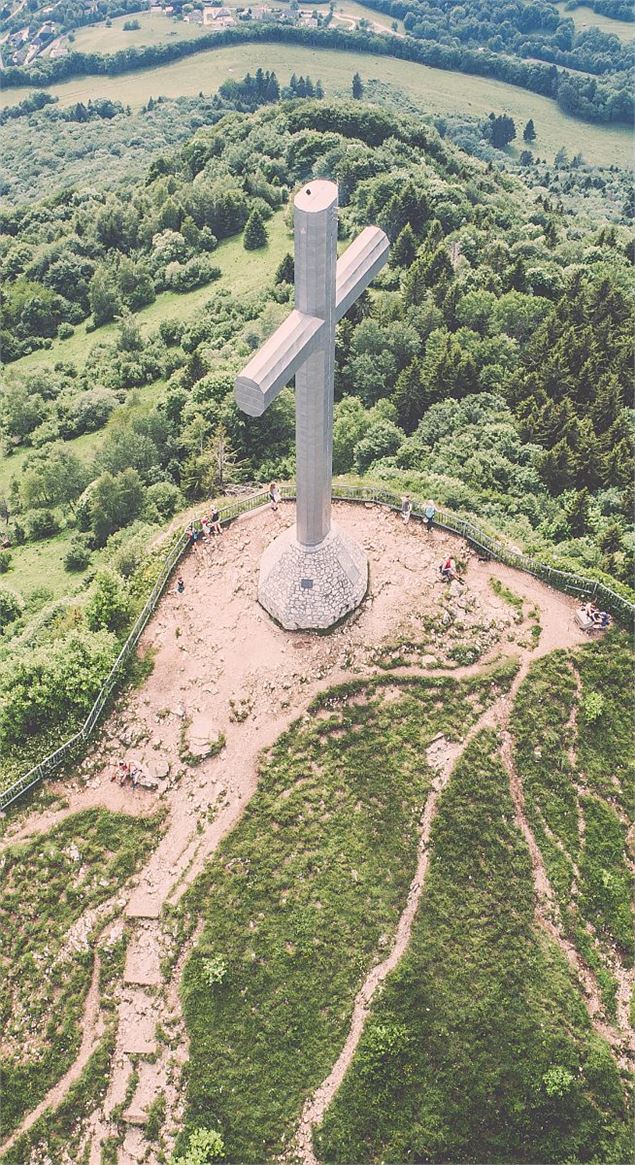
(436, 91)
(605, 742)
(538, 724)
(507, 596)
(479, 1048)
(605, 891)
(303, 896)
(48, 884)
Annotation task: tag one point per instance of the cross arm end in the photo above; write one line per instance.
(358, 266)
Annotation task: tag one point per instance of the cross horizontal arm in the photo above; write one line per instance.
(357, 266)
(276, 362)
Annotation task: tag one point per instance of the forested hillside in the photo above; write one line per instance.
(489, 366)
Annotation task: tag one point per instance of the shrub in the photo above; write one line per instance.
(77, 556)
(65, 331)
(204, 1146)
(593, 704)
(53, 681)
(108, 607)
(214, 970)
(11, 606)
(557, 1081)
(41, 524)
(5, 561)
(165, 496)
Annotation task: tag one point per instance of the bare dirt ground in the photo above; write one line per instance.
(224, 673)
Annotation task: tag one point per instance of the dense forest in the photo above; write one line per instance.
(489, 366)
(605, 97)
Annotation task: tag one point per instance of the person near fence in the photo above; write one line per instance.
(274, 495)
(429, 510)
(214, 521)
(180, 586)
(448, 570)
(406, 509)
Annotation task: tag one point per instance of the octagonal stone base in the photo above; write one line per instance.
(312, 587)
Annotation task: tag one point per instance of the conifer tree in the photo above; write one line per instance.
(529, 132)
(255, 235)
(404, 251)
(358, 86)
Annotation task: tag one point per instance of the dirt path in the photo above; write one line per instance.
(92, 1031)
(222, 667)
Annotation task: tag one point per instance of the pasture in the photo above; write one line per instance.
(584, 17)
(155, 29)
(436, 91)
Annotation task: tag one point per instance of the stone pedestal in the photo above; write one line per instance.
(312, 587)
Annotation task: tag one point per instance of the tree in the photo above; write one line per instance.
(55, 477)
(103, 296)
(285, 271)
(11, 607)
(255, 235)
(358, 86)
(404, 250)
(529, 132)
(115, 501)
(107, 608)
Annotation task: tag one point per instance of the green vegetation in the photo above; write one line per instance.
(48, 886)
(581, 836)
(479, 1048)
(301, 897)
(439, 91)
(494, 381)
(153, 28)
(507, 595)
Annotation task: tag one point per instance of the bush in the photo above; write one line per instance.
(204, 1146)
(11, 606)
(51, 682)
(65, 331)
(108, 606)
(41, 524)
(165, 496)
(77, 556)
(5, 561)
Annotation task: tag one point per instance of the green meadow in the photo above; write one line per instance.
(436, 91)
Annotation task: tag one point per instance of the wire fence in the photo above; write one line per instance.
(572, 584)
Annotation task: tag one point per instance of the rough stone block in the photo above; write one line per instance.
(312, 587)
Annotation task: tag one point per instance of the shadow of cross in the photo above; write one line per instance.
(304, 346)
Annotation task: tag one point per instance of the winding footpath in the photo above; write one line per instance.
(255, 662)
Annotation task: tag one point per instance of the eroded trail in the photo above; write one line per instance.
(92, 1027)
(233, 672)
(547, 914)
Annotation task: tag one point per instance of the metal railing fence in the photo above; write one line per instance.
(621, 608)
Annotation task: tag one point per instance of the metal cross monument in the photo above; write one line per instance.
(312, 574)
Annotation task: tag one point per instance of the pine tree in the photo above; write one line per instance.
(409, 398)
(529, 132)
(285, 271)
(358, 86)
(255, 235)
(404, 251)
(319, 89)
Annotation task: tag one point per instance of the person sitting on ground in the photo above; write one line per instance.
(121, 773)
(429, 510)
(274, 496)
(205, 528)
(214, 521)
(601, 618)
(406, 509)
(449, 571)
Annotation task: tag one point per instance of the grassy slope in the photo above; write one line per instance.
(436, 90)
(297, 899)
(603, 771)
(241, 272)
(155, 29)
(45, 890)
(451, 1065)
(584, 17)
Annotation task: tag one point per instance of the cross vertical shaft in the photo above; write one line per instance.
(315, 265)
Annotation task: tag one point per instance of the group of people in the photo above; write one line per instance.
(598, 618)
(429, 510)
(124, 772)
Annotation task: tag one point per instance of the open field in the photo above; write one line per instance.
(584, 17)
(437, 91)
(155, 29)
